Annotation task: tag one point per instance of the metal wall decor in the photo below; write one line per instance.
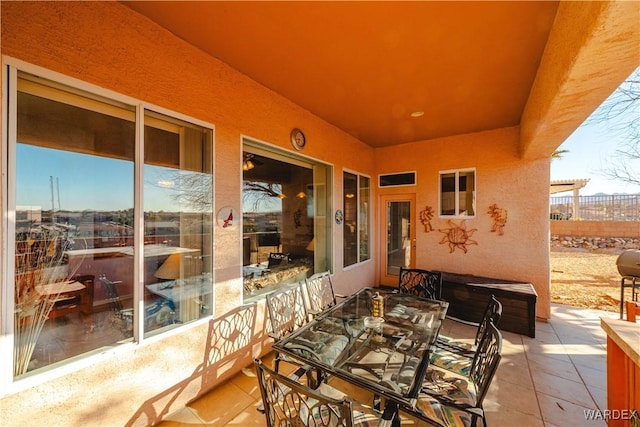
(458, 236)
(426, 216)
(499, 217)
(225, 217)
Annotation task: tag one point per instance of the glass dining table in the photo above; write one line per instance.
(387, 355)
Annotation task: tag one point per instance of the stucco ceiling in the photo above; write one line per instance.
(366, 66)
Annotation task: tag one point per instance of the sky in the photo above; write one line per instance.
(82, 181)
(590, 149)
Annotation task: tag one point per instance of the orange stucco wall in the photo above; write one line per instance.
(519, 186)
(108, 45)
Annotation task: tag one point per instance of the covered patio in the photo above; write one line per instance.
(557, 379)
(469, 99)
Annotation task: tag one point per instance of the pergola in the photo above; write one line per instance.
(560, 186)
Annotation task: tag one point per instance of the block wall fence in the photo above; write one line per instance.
(596, 228)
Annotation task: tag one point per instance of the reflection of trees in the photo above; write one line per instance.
(191, 189)
(258, 193)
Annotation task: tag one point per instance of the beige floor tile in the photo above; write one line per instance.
(512, 418)
(560, 368)
(513, 350)
(547, 353)
(249, 417)
(511, 338)
(592, 376)
(580, 349)
(599, 396)
(514, 369)
(512, 345)
(184, 417)
(223, 404)
(508, 396)
(593, 361)
(546, 336)
(561, 388)
(563, 413)
(247, 382)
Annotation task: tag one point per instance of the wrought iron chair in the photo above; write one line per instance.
(290, 403)
(287, 312)
(457, 355)
(457, 397)
(422, 283)
(320, 293)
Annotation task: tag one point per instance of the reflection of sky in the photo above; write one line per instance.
(83, 181)
(162, 189)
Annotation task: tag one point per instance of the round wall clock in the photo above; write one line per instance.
(298, 140)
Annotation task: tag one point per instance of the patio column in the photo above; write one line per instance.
(576, 203)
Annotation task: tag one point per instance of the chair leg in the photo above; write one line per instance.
(276, 363)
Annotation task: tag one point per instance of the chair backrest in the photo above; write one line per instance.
(112, 293)
(287, 310)
(422, 283)
(486, 361)
(492, 314)
(277, 258)
(320, 293)
(289, 403)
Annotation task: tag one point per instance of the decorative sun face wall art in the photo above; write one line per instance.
(458, 236)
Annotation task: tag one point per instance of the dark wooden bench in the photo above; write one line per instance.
(468, 297)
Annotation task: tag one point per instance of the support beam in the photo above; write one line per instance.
(592, 48)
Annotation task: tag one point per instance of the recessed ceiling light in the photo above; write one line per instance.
(417, 114)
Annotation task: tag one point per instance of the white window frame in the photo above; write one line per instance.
(457, 173)
(9, 76)
(358, 213)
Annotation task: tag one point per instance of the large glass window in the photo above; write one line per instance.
(177, 221)
(78, 235)
(285, 235)
(458, 193)
(356, 218)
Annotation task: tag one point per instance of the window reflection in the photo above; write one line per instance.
(74, 216)
(177, 222)
(76, 289)
(283, 238)
(356, 218)
(350, 227)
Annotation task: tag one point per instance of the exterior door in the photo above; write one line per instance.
(398, 236)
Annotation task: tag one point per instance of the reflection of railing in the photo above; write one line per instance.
(616, 207)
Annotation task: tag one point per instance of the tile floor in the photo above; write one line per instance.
(547, 381)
